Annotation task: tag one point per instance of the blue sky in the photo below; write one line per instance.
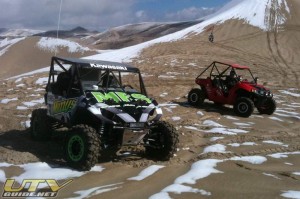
(100, 14)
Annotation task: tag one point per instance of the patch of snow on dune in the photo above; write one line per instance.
(297, 173)
(276, 119)
(2, 176)
(226, 131)
(26, 124)
(200, 169)
(176, 118)
(42, 81)
(212, 123)
(275, 142)
(271, 175)
(147, 172)
(22, 108)
(230, 117)
(5, 164)
(284, 155)
(34, 102)
(6, 43)
(5, 101)
(54, 44)
(216, 148)
(96, 191)
(291, 194)
(250, 159)
(215, 138)
(290, 93)
(42, 170)
(200, 113)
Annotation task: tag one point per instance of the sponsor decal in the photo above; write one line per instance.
(105, 66)
(63, 106)
(47, 188)
(119, 97)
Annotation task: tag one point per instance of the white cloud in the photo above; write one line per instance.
(44, 14)
(190, 13)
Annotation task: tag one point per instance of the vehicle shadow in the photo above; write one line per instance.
(50, 152)
(209, 107)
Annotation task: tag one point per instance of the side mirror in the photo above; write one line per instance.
(256, 79)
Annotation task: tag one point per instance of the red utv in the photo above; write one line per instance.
(233, 85)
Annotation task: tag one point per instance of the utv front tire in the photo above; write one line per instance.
(243, 107)
(196, 97)
(40, 125)
(82, 147)
(162, 141)
(268, 107)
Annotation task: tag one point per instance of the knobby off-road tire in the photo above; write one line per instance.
(196, 97)
(243, 107)
(40, 125)
(268, 107)
(82, 147)
(163, 141)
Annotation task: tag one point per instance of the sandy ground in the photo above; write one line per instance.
(257, 157)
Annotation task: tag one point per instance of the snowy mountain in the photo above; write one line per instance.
(13, 33)
(264, 14)
(132, 34)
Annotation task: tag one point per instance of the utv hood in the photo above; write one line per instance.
(120, 98)
(128, 107)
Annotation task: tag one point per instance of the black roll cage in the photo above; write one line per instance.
(214, 66)
(84, 63)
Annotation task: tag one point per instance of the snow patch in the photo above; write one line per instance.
(215, 138)
(53, 45)
(284, 155)
(26, 124)
(275, 142)
(6, 43)
(5, 101)
(250, 159)
(291, 194)
(2, 176)
(96, 191)
(147, 172)
(42, 81)
(212, 123)
(226, 131)
(176, 118)
(217, 148)
(290, 93)
(271, 175)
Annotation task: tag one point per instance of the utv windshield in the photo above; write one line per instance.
(107, 80)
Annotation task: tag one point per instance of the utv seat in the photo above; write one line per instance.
(60, 87)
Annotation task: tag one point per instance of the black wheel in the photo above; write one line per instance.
(268, 107)
(40, 125)
(244, 107)
(161, 143)
(82, 147)
(196, 97)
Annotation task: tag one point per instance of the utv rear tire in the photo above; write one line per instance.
(243, 107)
(82, 147)
(40, 125)
(268, 107)
(196, 97)
(163, 141)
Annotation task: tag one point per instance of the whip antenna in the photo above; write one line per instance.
(58, 22)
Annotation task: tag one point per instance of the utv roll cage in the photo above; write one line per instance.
(66, 77)
(214, 66)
